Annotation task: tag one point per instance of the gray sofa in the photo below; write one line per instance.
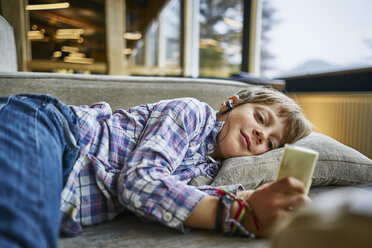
(118, 91)
(124, 92)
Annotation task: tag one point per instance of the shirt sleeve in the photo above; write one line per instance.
(146, 185)
(211, 190)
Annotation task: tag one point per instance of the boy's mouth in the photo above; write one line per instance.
(246, 140)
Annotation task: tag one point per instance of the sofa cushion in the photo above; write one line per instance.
(338, 164)
(118, 91)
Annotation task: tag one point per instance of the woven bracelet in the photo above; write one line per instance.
(240, 217)
(231, 226)
(254, 217)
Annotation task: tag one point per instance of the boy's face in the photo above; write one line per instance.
(254, 129)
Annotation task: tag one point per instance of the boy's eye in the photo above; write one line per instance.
(270, 144)
(260, 118)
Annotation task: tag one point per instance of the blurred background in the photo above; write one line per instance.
(170, 37)
(320, 51)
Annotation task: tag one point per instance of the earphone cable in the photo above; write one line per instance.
(228, 129)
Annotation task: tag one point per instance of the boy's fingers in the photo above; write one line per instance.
(295, 202)
(290, 184)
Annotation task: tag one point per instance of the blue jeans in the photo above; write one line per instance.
(38, 146)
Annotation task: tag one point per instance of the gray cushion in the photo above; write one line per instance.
(118, 91)
(337, 165)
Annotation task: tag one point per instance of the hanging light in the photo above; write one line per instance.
(35, 35)
(132, 35)
(77, 60)
(127, 51)
(46, 6)
(69, 33)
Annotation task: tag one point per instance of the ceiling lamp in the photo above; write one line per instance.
(77, 60)
(48, 6)
(69, 33)
(57, 54)
(127, 51)
(132, 35)
(70, 49)
(77, 55)
(35, 35)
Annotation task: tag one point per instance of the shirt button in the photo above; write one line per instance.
(137, 204)
(210, 146)
(167, 216)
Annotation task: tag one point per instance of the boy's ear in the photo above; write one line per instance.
(224, 105)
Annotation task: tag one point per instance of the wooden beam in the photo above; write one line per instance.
(251, 37)
(154, 71)
(150, 13)
(254, 53)
(147, 13)
(47, 65)
(191, 39)
(115, 28)
(49, 16)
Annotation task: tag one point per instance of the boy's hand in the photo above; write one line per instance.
(245, 194)
(271, 201)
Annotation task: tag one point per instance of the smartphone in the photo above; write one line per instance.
(298, 162)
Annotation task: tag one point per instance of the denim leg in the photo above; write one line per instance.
(34, 156)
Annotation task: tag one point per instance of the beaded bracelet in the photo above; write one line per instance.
(232, 227)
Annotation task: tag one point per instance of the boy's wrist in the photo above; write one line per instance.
(245, 194)
(251, 223)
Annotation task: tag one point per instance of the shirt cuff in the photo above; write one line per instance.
(211, 190)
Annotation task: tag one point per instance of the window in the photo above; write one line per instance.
(157, 49)
(221, 25)
(301, 37)
(151, 48)
(169, 36)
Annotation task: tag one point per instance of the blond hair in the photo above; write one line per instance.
(297, 124)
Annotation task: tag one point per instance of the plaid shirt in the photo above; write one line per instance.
(140, 159)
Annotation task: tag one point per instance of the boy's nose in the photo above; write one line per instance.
(259, 135)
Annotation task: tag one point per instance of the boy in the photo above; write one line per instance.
(139, 159)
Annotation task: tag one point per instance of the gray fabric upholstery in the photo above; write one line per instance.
(337, 165)
(128, 231)
(124, 92)
(118, 91)
(8, 53)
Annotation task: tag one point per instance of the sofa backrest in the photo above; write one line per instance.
(118, 91)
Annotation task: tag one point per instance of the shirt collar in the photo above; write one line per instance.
(216, 130)
(211, 140)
